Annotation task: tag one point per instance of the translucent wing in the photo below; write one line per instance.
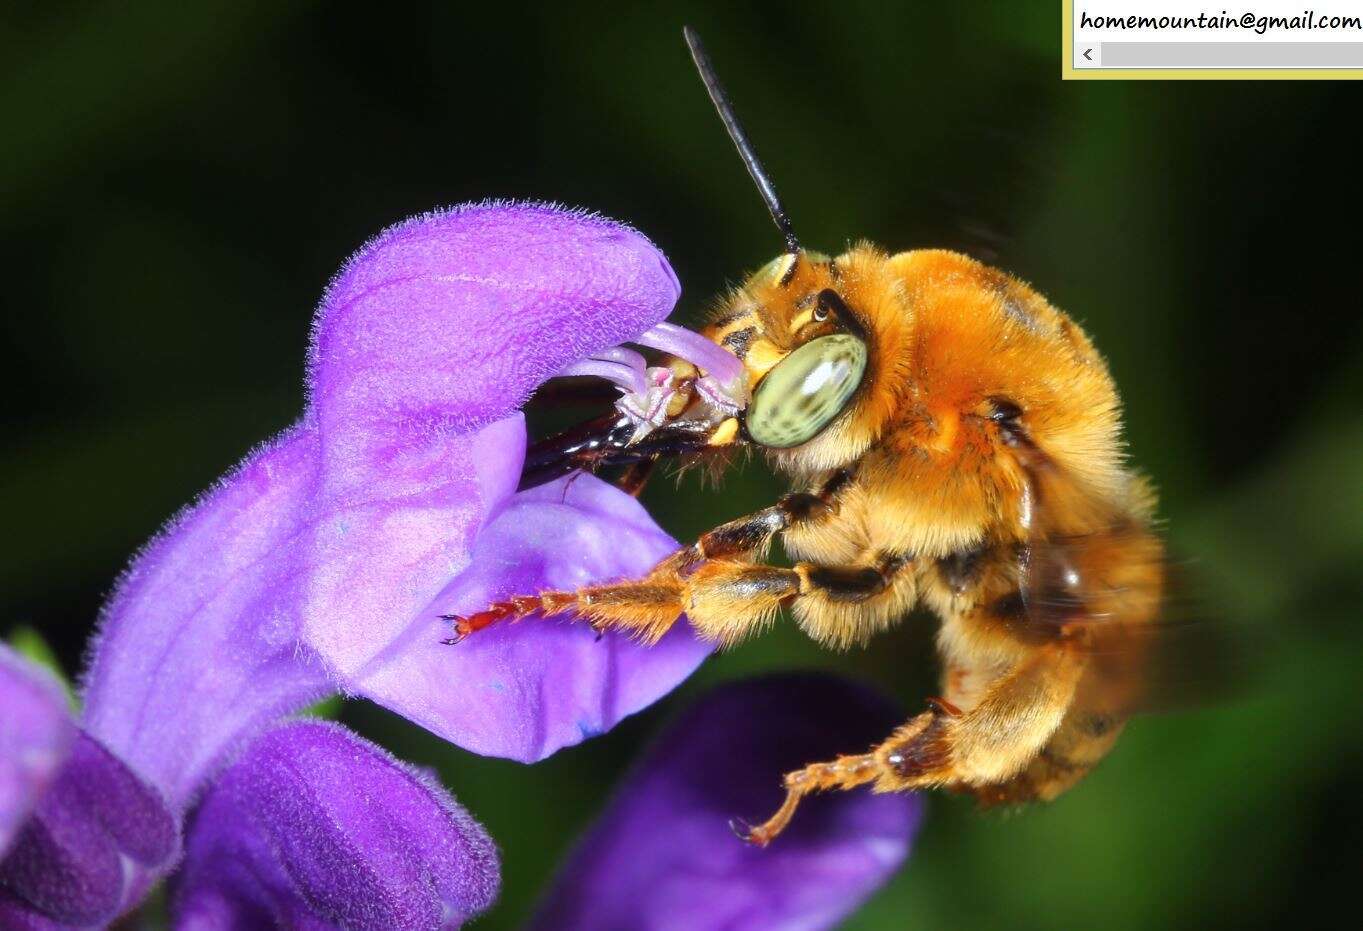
(1113, 593)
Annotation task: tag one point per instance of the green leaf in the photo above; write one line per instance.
(31, 645)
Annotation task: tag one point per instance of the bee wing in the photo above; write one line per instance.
(1115, 595)
(1197, 659)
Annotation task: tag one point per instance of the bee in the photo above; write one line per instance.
(953, 441)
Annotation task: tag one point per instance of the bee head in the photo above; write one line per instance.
(806, 348)
(811, 332)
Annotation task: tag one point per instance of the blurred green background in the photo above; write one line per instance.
(179, 181)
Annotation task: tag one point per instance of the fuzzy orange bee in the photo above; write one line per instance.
(953, 441)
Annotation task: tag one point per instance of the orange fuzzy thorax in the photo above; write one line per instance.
(947, 336)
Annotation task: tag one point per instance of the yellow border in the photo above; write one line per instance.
(1070, 73)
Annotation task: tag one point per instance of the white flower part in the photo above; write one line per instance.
(726, 400)
(647, 410)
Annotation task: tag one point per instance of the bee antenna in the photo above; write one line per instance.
(720, 99)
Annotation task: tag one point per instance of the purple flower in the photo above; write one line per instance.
(73, 818)
(313, 827)
(526, 689)
(36, 734)
(663, 856)
(325, 559)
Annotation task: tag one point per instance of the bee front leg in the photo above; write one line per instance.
(635, 477)
(726, 600)
(726, 597)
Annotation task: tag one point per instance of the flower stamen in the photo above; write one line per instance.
(646, 393)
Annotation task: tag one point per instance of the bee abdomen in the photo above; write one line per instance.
(1081, 741)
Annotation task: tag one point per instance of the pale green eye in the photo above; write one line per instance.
(806, 390)
(776, 269)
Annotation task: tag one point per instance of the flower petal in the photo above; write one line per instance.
(200, 644)
(16, 916)
(36, 733)
(525, 689)
(450, 320)
(315, 828)
(440, 325)
(74, 855)
(377, 557)
(663, 848)
(205, 641)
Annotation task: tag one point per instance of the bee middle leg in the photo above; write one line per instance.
(985, 746)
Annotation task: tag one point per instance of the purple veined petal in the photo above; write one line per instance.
(200, 644)
(315, 828)
(328, 544)
(378, 558)
(206, 640)
(525, 689)
(96, 828)
(36, 733)
(77, 823)
(15, 916)
(450, 320)
(662, 855)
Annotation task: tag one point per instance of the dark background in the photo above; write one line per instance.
(179, 181)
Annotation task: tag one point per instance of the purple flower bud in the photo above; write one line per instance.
(81, 823)
(36, 734)
(663, 856)
(315, 828)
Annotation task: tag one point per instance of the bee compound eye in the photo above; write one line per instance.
(780, 270)
(806, 390)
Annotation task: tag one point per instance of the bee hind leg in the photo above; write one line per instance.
(973, 750)
(877, 767)
(843, 773)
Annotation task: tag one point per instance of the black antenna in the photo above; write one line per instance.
(740, 138)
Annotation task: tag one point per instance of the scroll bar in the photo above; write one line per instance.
(1222, 55)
